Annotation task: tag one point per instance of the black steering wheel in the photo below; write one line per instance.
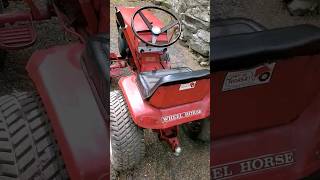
(155, 30)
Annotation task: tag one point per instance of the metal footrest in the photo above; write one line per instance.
(16, 31)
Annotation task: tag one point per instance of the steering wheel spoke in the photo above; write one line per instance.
(145, 20)
(169, 26)
(154, 38)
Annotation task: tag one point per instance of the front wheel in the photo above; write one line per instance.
(127, 139)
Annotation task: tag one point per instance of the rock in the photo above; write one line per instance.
(182, 6)
(199, 45)
(204, 35)
(201, 59)
(195, 20)
(204, 3)
(200, 13)
(192, 28)
(303, 7)
(200, 24)
(165, 3)
(204, 64)
(157, 2)
(183, 43)
(186, 35)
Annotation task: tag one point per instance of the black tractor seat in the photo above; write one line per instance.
(245, 50)
(97, 49)
(230, 26)
(95, 63)
(148, 82)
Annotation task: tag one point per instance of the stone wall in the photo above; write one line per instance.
(195, 18)
(303, 7)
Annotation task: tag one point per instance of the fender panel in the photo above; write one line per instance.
(148, 116)
(300, 137)
(78, 124)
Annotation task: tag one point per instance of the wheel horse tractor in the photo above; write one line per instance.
(155, 96)
(266, 101)
(63, 132)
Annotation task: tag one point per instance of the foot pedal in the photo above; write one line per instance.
(16, 31)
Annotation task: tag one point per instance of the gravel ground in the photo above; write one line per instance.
(270, 13)
(14, 77)
(159, 162)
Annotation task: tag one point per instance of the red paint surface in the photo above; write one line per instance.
(170, 96)
(142, 61)
(147, 116)
(294, 83)
(283, 115)
(76, 119)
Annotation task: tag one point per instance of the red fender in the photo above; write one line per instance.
(78, 124)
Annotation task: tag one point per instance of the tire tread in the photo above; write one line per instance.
(127, 139)
(28, 149)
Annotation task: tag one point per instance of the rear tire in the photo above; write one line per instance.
(198, 130)
(127, 139)
(27, 147)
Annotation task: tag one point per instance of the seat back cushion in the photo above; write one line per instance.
(171, 87)
(95, 61)
(245, 50)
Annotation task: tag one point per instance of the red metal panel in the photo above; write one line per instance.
(133, 42)
(14, 17)
(103, 8)
(151, 61)
(280, 116)
(147, 116)
(170, 96)
(283, 99)
(77, 122)
(302, 137)
(90, 15)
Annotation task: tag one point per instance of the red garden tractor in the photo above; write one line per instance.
(155, 96)
(61, 131)
(266, 101)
